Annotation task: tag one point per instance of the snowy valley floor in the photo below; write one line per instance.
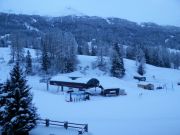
(139, 113)
(155, 114)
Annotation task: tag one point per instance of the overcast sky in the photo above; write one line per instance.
(165, 12)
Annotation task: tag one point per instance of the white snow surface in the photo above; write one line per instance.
(30, 27)
(141, 112)
(174, 50)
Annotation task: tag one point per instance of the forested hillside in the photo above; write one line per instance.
(94, 36)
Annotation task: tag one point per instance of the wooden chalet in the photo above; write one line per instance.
(83, 84)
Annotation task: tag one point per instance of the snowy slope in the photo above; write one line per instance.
(139, 113)
(4, 59)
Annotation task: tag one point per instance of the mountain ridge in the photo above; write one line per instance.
(86, 28)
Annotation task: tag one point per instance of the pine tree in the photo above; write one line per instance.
(130, 53)
(85, 48)
(141, 69)
(175, 59)
(166, 57)
(28, 63)
(69, 53)
(101, 61)
(18, 114)
(4, 94)
(45, 58)
(117, 63)
(160, 57)
(80, 50)
(140, 61)
(17, 51)
(93, 50)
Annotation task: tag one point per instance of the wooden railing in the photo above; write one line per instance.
(82, 128)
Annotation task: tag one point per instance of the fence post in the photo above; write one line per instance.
(71, 100)
(80, 132)
(86, 128)
(47, 122)
(66, 125)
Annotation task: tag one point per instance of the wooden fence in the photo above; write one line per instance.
(82, 128)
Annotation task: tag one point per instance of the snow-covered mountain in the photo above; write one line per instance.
(164, 12)
(140, 112)
(88, 29)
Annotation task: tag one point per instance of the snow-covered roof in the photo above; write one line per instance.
(104, 81)
(70, 79)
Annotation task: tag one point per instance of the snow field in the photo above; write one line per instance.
(139, 113)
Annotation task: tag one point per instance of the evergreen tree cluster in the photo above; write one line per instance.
(102, 54)
(17, 113)
(17, 49)
(59, 52)
(157, 56)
